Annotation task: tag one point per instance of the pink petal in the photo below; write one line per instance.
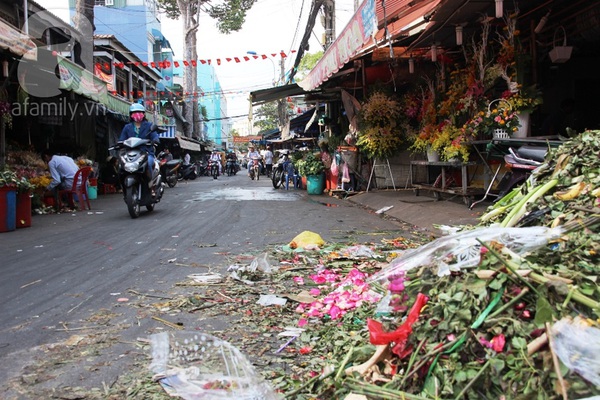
(302, 322)
(314, 292)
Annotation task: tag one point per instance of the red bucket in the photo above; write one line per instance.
(23, 210)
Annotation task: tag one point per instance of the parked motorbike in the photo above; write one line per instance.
(187, 172)
(284, 171)
(255, 168)
(520, 163)
(213, 167)
(202, 168)
(133, 165)
(231, 167)
(169, 169)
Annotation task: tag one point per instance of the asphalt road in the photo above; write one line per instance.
(66, 274)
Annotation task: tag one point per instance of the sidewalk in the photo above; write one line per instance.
(423, 210)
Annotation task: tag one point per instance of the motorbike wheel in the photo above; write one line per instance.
(277, 178)
(257, 173)
(131, 199)
(171, 181)
(215, 173)
(150, 207)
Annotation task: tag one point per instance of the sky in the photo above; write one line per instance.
(271, 26)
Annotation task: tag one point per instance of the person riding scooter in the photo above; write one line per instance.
(252, 155)
(141, 128)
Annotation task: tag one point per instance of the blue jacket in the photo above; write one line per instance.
(145, 132)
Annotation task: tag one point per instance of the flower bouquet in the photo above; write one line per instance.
(380, 133)
(500, 120)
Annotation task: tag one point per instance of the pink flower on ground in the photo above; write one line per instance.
(335, 312)
(314, 292)
(498, 343)
(302, 322)
(299, 280)
(300, 308)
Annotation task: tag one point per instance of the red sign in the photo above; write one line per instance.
(245, 139)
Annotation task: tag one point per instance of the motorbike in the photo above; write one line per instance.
(213, 167)
(255, 168)
(169, 169)
(202, 168)
(284, 171)
(520, 164)
(231, 167)
(133, 165)
(187, 172)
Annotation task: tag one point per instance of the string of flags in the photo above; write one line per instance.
(186, 63)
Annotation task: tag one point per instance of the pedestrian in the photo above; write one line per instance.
(327, 159)
(63, 170)
(109, 174)
(268, 156)
(187, 159)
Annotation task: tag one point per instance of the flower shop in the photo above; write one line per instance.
(459, 82)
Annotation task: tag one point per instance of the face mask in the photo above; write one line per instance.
(137, 117)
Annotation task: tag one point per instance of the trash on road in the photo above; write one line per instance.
(195, 365)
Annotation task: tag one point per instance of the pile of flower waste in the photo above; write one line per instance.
(506, 310)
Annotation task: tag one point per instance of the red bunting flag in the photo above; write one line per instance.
(187, 64)
(194, 63)
(237, 60)
(203, 61)
(228, 59)
(176, 64)
(246, 58)
(264, 56)
(218, 61)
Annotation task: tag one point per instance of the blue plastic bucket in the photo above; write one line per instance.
(8, 209)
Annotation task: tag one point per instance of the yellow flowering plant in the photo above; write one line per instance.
(451, 143)
(380, 132)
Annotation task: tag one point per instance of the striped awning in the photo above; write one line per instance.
(170, 133)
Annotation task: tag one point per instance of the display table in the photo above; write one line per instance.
(443, 181)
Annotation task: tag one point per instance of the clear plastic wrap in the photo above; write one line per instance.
(195, 365)
(577, 343)
(462, 250)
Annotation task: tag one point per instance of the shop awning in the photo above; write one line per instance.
(357, 36)
(189, 144)
(356, 33)
(170, 133)
(275, 93)
(16, 42)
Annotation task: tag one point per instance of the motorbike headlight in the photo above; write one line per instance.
(131, 166)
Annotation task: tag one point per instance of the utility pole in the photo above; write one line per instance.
(328, 22)
(281, 103)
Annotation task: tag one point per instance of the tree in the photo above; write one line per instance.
(230, 17)
(266, 116)
(307, 63)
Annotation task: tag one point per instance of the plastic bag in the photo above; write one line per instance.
(194, 365)
(306, 239)
(334, 166)
(261, 263)
(577, 344)
(462, 250)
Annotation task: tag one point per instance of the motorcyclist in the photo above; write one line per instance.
(141, 128)
(216, 157)
(252, 154)
(233, 158)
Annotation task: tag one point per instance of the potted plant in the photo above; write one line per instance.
(451, 144)
(312, 168)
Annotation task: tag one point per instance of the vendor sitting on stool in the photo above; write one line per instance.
(109, 174)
